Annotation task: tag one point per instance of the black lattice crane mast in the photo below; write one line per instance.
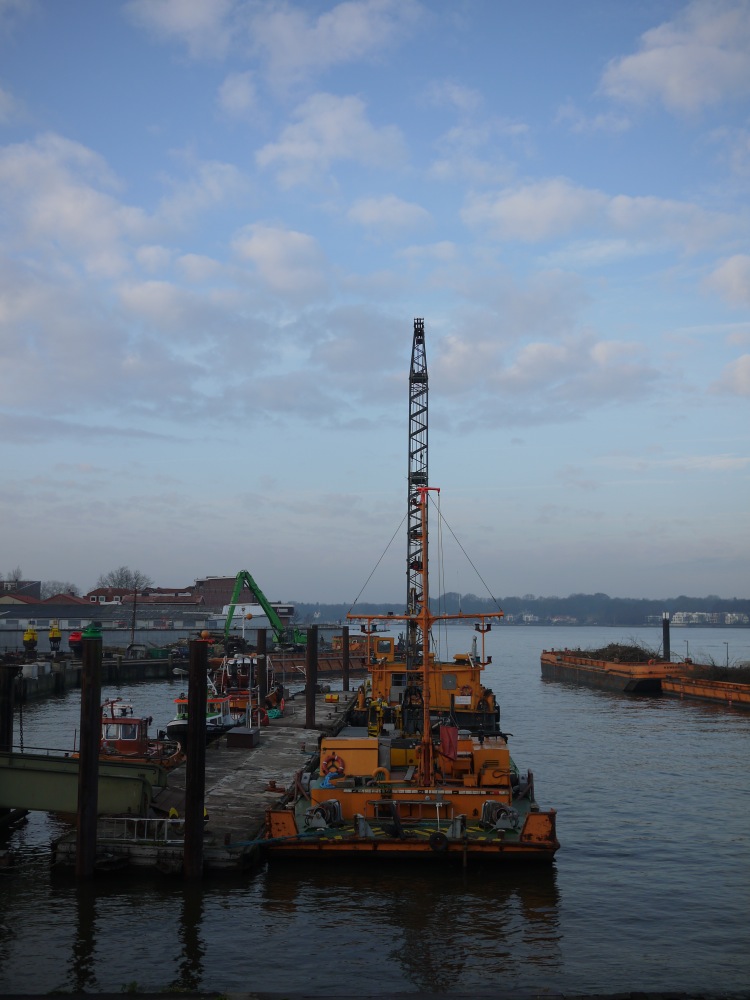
(416, 519)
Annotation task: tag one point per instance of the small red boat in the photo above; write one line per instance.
(125, 737)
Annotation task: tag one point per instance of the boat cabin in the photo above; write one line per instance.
(122, 731)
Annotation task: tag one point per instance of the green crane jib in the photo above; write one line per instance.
(284, 635)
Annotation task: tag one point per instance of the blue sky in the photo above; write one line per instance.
(219, 218)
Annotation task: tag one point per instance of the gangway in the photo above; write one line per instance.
(47, 780)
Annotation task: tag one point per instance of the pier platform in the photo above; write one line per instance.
(242, 781)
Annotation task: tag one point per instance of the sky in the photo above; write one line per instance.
(219, 219)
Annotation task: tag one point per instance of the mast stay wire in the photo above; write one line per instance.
(374, 568)
(468, 558)
(442, 636)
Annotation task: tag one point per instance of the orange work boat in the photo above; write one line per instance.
(440, 793)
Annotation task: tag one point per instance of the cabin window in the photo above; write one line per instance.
(384, 645)
(128, 732)
(449, 682)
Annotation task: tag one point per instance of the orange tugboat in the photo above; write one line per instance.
(420, 786)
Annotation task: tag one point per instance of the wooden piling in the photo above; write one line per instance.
(88, 761)
(7, 683)
(262, 667)
(667, 654)
(311, 675)
(345, 650)
(195, 766)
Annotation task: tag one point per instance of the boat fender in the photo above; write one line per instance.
(381, 774)
(333, 765)
(438, 842)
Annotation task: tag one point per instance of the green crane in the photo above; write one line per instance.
(284, 635)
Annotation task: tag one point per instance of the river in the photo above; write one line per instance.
(650, 890)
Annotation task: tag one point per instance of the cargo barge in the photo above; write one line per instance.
(609, 675)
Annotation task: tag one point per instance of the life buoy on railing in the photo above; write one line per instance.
(263, 719)
(465, 690)
(381, 774)
(333, 765)
(651, 662)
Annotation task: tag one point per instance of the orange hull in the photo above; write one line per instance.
(724, 692)
(631, 678)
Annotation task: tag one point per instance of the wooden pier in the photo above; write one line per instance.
(241, 782)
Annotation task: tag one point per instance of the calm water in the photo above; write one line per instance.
(650, 890)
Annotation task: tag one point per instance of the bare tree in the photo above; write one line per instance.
(16, 575)
(122, 577)
(52, 587)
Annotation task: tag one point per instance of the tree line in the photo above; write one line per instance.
(584, 609)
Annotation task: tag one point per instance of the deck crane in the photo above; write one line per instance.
(418, 479)
(284, 635)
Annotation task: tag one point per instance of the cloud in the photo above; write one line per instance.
(289, 262)
(568, 114)
(681, 463)
(556, 208)
(474, 151)
(731, 280)
(735, 379)
(295, 43)
(388, 214)
(209, 184)
(444, 252)
(58, 200)
(9, 107)
(204, 28)
(237, 95)
(330, 128)
(451, 94)
(535, 212)
(560, 377)
(700, 58)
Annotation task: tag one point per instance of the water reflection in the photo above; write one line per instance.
(441, 926)
(82, 965)
(190, 969)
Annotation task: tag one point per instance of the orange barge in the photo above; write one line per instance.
(630, 678)
(724, 692)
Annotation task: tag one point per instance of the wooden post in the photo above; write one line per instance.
(88, 761)
(665, 635)
(262, 670)
(345, 650)
(7, 681)
(195, 767)
(311, 674)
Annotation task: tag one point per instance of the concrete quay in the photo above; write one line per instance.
(241, 783)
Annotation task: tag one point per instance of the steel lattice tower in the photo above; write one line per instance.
(417, 478)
